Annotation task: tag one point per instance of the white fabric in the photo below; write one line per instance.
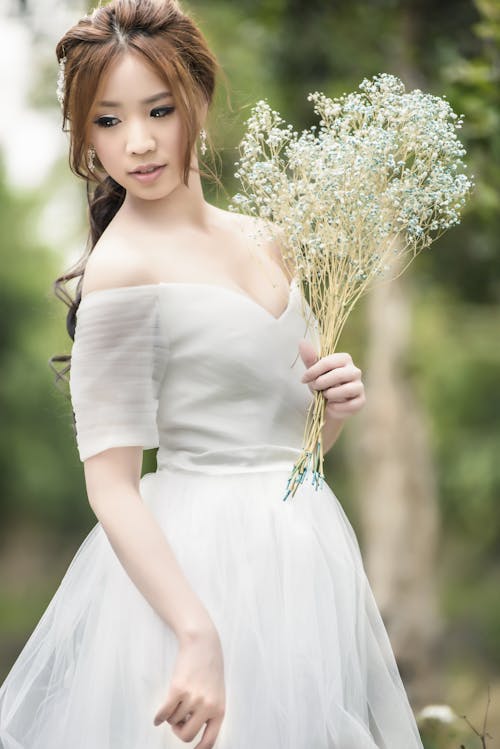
(116, 361)
(214, 379)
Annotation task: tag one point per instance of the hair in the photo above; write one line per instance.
(166, 39)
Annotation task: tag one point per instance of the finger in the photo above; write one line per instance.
(210, 733)
(338, 376)
(324, 364)
(190, 728)
(169, 707)
(348, 406)
(342, 393)
(307, 352)
(182, 710)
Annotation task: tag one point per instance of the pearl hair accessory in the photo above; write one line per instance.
(60, 81)
(63, 60)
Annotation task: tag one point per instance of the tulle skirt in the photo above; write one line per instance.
(308, 663)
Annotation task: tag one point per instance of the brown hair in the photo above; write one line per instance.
(168, 41)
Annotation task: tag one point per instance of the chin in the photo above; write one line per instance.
(149, 195)
(152, 192)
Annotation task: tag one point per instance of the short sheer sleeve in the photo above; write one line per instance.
(117, 363)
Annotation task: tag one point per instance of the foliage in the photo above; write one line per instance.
(283, 49)
(39, 480)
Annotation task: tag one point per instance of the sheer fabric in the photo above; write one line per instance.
(213, 380)
(118, 359)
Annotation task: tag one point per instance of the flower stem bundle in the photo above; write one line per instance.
(376, 182)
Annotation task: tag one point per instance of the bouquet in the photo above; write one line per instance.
(379, 180)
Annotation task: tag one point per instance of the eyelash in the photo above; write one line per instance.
(157, 113)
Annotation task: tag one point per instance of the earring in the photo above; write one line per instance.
(203, 141)
(90, 158)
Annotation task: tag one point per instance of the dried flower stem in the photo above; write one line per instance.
(378, 182)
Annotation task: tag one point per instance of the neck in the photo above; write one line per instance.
(185, 205)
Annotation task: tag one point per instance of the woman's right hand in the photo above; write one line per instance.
(196, 690)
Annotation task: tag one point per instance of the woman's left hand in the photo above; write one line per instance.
(337, 377)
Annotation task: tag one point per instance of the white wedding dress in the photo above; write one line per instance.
(213, 379)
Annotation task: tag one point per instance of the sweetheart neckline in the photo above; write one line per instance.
(293, 286)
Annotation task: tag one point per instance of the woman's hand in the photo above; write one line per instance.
(197, 694)
(338, 379)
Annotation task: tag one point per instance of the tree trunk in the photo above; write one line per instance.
(397, 491)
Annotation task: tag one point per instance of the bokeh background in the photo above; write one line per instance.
(418, 472)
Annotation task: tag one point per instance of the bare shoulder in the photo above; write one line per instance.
(112, 263)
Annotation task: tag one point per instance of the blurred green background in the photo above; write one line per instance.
(280, 50)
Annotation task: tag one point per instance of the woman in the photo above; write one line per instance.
(201, 609)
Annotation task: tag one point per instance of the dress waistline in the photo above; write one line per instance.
(246, 459)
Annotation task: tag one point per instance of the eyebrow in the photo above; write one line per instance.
(149, 100)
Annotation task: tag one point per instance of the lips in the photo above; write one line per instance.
(148, 174)
(147, 168)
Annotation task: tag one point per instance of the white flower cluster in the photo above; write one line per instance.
(438, 713)
(380, 178)
(382, 175)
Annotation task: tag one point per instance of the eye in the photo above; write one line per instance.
(106, 121)
(161, 111)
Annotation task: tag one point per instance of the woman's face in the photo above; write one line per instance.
(136, 130)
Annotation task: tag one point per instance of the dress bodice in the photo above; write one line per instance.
(199, 370)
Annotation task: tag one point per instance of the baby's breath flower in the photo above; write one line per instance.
(378, 179)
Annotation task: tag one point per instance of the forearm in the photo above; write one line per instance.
(149, 561)
(331, 431)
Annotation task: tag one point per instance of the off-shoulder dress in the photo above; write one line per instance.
(212, 379)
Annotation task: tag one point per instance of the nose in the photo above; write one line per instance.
(139, 139)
